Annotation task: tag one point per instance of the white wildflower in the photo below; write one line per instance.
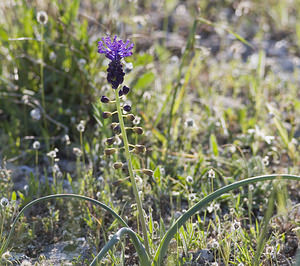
(35, 114)
(42, 17)
(36, 145)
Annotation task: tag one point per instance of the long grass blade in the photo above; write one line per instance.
(27, 206)
(162, 249)
(143, 256)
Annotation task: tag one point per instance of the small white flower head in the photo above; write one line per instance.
(189, 179)
(128, 67)
(52, 56)
(81, 63)
(6, 255)
(66, 139)
(139, 181)
(211, 173)
(177, 215)
(118, 141)
(77, 151)
(269, 250)
(241, 264)
(235, 226)
(269, 139)
(52, 154)
(26, 263)
(55, 168)
(265, 160)
(81, 126)
(189, 123)
(210, 208)
(251, 187)
(42, 17)
(4, 202)
(36, 145)
(35, 114)
(136, 120)
(25, 99)
(26, 188)
(98, 195)
(192, 197)
(215, 244)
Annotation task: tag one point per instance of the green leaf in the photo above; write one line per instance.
(214, 145)
(14, 196)
(144, 81)
(143, 60)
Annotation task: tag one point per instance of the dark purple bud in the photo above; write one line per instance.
(120, 92)
(112, 125)
(138, 130)
(106, 115)
(130, 117)
(127, 107)
(110, 141)
(117, 129)
(104, 99)
(125, 90)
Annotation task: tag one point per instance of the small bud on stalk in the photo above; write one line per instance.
(118, 165)
(138, 130)
(139, 149)
(130, 117)
(110, 141)
(105, 99)
(106, 115)
(147, 172)
(110, 151)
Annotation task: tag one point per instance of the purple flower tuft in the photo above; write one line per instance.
(115, 50)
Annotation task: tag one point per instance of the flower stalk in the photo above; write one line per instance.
(131, 174)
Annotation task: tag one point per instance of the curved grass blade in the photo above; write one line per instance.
(96, 202)
(143, 256)
(162, 249)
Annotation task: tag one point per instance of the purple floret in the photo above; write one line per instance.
(115, 50)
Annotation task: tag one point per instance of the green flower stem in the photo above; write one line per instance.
(143, 256)
(130, 169)
(111, 211)
(163, 246)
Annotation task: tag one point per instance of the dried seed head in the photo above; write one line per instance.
(118, 165)
(147, 172)
(138, 130)
(4, 202)
(81, 126)
(106, 115)
(110, 141)
(77, 151)
(110, 151)
(130, 117)
(36, 145)
(42, 17)
(105, 99)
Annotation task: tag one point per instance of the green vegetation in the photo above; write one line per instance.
(214, 86)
